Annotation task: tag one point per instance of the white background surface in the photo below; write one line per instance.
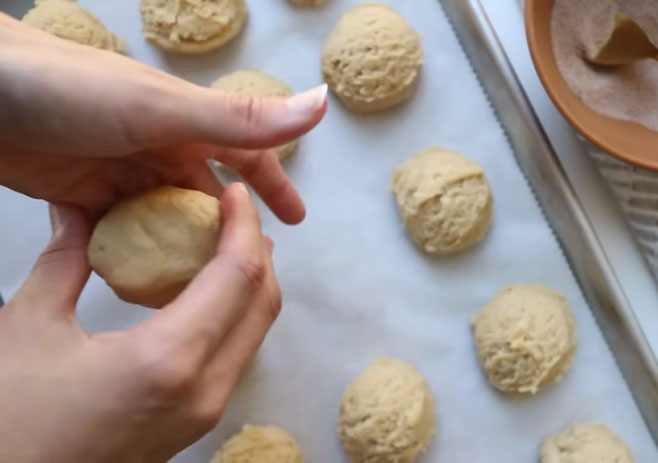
(354, 287)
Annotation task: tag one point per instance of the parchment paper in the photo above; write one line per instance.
(354, 287)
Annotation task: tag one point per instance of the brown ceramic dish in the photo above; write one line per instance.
(625, 140)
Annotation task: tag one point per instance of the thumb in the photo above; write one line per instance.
(235, 121)
(61, 271)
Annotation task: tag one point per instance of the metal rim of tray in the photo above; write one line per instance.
(541, 166)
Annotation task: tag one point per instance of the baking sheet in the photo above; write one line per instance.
(354, 287)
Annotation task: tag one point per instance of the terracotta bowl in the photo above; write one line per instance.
(625, 140)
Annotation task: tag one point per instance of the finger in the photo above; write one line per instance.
(245, 338)
(206, 310)
(61, 271)
(263, 171)
(204, 179)
(240, 121)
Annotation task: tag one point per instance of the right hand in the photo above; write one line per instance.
(88, 127)
(140, 395)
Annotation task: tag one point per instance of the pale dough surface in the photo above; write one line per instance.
(444, 199)
(260, 444)
(257, 84)
(525, 338)
(70, 21)
(149, 247)
(585, 443)
(387, 414)
(372, 58)
(192, 26)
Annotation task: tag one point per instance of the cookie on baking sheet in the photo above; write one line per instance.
(525, 338)
(259, 444)
(192, 26)
(68, 20)
(372, 58)
(585, 443)
(257, 84)
(387, 414)
(444, 200)
(149, 247)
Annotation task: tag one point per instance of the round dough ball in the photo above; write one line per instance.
(585, 443)
(525, 338)
(444, 200)
(70, 21)
(372, 58)
(192, 26)
(149, 247)
(387, 414)
(260, 444)
(257, 84)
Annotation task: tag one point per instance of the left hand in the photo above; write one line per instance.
(87, 127)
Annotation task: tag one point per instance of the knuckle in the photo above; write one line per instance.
(208, 415)
(253, 164)
(252, 270)
(170, 378)
(164, 372)
(247, 109)
(274, 302)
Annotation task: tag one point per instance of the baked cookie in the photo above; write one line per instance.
(192, 26)
(387, 414)
(585, 443)
(525, 338)
(372, 58)
(257, 84)
(444, 200)
(149, 247)
(68, 20)
(259, 444)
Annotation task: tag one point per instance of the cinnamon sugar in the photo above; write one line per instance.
(582, 26)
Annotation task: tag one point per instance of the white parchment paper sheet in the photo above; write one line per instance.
(354, 287)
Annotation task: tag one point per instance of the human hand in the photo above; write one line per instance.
(140, 395)
(88, 127)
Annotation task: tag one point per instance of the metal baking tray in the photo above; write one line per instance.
(545, 173)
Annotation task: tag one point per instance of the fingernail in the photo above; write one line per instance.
(309, 100)
(242, 189)
(56, 218)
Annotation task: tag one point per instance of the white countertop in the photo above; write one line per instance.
(599, 204)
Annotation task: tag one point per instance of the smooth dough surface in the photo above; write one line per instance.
(372, 58)
(260, 444)
(387, 414)
(257, 84)
(444, 200)
(525, 338)
(192, 26)
(70, 21)
(149, 247)
(585, 443)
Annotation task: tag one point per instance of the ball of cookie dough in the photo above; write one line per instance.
(525, 338)
(259, 444)
(149, 247)
(585, 443)
(192, 26)
(70, 21)
(372, 58)
(387, 414)
(257, 84)
(444, 200)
